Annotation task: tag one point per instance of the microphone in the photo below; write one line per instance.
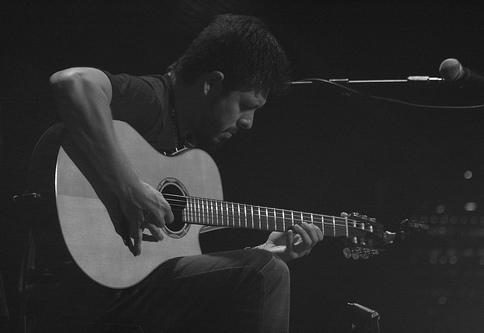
(453, 71)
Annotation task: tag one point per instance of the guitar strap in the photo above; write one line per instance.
(180, 142)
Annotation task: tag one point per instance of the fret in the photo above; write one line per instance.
(302, 218)
(197, 203)
(189, 211)
(194, 210)
(207, 214)
(245, 215)
(203, 216)
(216, 212)
(275, 220)
(312, 218)
(227, 213)
(346, 225)
(220, 216)
(267, 219)
(211, 212)
(292, 218)
(204, 211)
(233, 215)
(283, 220)
(238, 211)
(334, 226)
(322, 224)
(258, 213)
(252, 215)
(186, 211)
(221, 213)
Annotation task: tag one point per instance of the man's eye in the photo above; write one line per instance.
(248, 107)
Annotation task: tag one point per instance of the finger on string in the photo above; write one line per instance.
(304, 235)
(123, 229)
(137, 242)
(320, 234)
(136, 231)
(169, 217)
(154, 216)
(289, 241)
(310, 229)
(296, 240)
(130, 244)
(155, 231)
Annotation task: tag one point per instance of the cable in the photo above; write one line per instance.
(393, 100)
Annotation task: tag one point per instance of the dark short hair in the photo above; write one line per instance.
(241, 47)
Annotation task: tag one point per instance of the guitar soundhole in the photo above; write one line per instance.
(175, 194)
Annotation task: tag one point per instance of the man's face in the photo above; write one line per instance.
(227, 114)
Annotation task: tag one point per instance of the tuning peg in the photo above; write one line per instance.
(347, 253)
(355, 214)
(365, 217)
(344, 214)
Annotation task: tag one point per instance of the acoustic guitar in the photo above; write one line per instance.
(190, 182)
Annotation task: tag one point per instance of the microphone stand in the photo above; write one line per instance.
(410, 79)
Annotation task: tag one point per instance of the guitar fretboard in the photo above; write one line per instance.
(229, 214)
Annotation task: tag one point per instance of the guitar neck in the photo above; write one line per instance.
(234, 215)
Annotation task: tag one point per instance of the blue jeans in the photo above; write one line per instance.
(235, 291)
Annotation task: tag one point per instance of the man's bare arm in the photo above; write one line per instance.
(83, 97)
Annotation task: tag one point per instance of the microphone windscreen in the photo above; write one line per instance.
(451, 69)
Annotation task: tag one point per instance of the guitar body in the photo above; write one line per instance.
(87, 228)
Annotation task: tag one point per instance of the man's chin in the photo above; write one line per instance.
(212, 144)
(219, 141)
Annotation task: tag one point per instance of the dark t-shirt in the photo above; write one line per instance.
(145, 102)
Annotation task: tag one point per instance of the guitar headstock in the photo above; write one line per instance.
(367, 237)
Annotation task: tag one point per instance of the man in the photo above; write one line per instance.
(210, 93)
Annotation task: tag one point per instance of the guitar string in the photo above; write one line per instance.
(267, 216)
(271, 216)
(183, 202)
(214, 215)
(329, 228)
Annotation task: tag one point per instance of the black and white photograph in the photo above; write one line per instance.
(242, 166)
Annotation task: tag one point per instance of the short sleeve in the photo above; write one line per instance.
(137, 100)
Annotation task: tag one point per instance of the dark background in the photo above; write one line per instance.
(313, 149)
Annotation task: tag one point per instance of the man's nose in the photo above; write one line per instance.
(246, 121)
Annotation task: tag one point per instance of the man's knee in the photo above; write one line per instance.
(277, 272)
(269, 267)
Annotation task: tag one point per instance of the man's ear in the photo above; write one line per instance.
(213, 83)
